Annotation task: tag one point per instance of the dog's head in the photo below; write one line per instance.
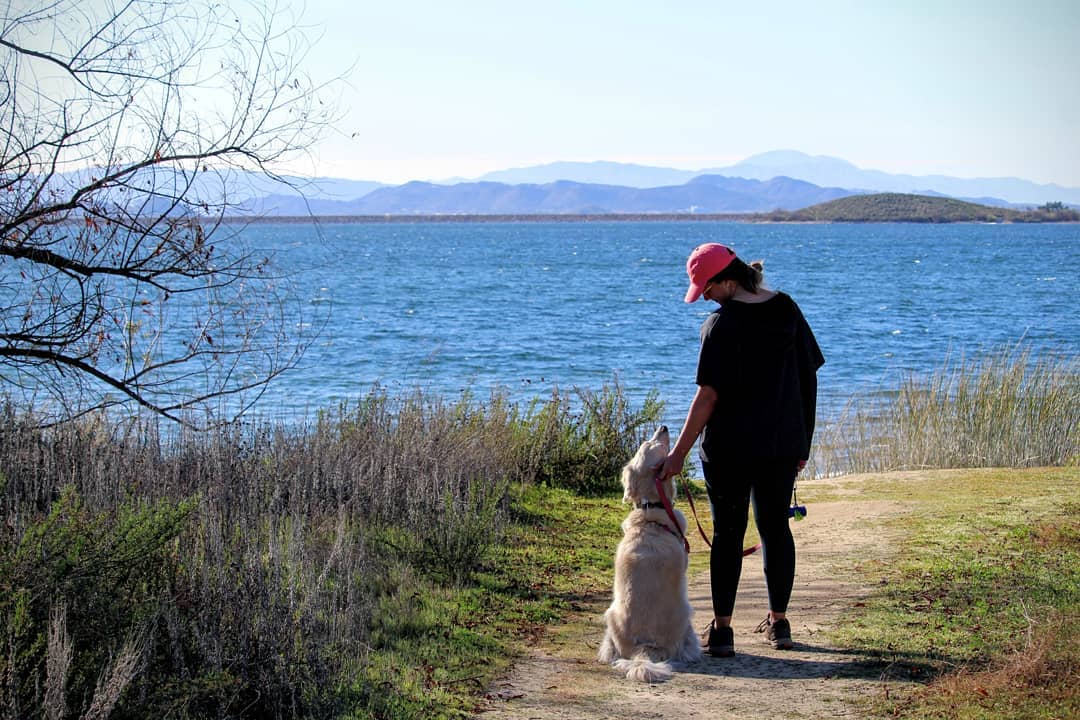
(638, 474)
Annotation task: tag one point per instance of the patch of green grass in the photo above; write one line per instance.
(437, 647)
(982, 600)
(431, 650)
(569, 539)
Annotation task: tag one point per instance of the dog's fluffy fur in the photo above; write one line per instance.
(648, 623)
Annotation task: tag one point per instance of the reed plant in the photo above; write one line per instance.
(247, 572)
(1007, 408)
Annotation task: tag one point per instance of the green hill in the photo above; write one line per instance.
(900, 207)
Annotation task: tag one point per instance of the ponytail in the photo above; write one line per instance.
(750, 277)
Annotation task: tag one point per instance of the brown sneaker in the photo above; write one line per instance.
(718, 641)
(777, 634)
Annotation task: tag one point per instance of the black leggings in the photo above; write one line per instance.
(731, 488)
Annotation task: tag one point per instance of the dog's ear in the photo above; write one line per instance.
(627, 482)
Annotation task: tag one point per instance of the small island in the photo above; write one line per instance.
(902, 207)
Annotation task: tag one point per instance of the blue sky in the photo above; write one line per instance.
(438, 89)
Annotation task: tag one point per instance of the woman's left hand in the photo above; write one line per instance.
(672, 465)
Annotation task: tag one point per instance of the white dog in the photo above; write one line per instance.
(648, 623)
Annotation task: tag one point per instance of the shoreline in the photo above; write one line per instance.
(485, 218)
(607, 218)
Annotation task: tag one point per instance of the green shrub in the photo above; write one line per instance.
(79, 589)
(584, 450)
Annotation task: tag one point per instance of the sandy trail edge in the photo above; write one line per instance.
(562, 679)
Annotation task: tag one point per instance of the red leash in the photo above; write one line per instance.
(693, 509)
(671, 513)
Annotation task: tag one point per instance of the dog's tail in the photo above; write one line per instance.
(642, 669)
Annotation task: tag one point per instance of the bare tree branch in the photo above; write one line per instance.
(127, 129)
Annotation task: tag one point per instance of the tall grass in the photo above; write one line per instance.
(1004, 409)
(239, 573)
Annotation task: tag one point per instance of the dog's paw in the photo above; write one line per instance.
(608, 654)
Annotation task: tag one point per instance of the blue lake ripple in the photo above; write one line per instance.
(525, 307)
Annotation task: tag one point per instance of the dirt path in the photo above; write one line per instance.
(562, 679)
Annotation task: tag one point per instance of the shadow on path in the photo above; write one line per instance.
(812, 680)
(803, 662)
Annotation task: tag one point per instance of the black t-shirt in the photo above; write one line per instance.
(762, 360)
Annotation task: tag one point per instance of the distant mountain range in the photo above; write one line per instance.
(703, 194)
(779, 180)
(820, 170)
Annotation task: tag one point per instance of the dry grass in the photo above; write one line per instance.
(114, 679)
(1005, 409)
(981, 602)
(1040, 679)
(57, 664)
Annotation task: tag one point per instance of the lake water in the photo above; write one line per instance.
(453, 307)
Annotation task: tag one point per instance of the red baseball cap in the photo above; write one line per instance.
(704, 262)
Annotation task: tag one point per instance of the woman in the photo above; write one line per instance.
(754, 409)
